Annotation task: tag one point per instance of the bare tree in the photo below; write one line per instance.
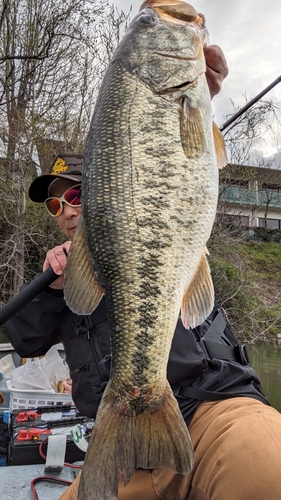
(252, 131)
(249, 192)
(52, 59)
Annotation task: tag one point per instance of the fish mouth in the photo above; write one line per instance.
(175, 11)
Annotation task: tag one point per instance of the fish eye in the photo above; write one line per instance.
(147, 19)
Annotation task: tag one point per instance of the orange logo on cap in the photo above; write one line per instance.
(59, 166)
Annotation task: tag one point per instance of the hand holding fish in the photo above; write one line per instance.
(216, 65)
(216, 68)
(56, 258)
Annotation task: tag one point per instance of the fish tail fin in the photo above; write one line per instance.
(163, 438)
(122, 442)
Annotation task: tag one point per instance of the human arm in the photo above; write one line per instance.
(36, 327)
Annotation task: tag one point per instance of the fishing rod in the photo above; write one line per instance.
(27, 294)
(250, 104)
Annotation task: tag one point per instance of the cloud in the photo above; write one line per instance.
(249, 34)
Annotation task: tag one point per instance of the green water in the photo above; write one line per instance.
(265, 358)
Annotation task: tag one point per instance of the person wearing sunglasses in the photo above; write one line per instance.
(235, 433)
(60, 191)
(72, 197)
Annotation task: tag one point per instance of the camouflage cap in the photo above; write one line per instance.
(66, 166)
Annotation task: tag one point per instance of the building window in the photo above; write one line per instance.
(239, 183)
(271, 187)
(269, 223)
(233, 220)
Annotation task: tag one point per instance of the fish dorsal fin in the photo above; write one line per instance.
(82, 290)
(198, 300)
(219, 146)
(192, 130)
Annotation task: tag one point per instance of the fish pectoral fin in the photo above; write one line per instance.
(198, 300)
(82, 290)
(219, 147)
(192, 131)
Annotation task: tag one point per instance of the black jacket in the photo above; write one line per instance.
(205, 363)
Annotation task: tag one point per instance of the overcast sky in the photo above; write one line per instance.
(249, 32)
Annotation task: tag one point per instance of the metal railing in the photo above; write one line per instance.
(243, 196)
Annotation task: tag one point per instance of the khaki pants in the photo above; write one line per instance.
(237, 445)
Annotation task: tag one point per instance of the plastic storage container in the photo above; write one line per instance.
(29, 399)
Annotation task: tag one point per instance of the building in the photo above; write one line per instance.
(250, 196)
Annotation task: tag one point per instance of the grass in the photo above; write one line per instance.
(247, 282)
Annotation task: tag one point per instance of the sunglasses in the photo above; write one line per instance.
(71, 197)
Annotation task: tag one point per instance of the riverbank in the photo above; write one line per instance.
(247, 283)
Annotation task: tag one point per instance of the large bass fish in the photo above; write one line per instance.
(150, 189)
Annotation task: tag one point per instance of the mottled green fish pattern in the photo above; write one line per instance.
(150, 189)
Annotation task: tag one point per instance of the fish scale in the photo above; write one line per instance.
(134, 240)
(150, 188)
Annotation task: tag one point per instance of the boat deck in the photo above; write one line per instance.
(15, 482)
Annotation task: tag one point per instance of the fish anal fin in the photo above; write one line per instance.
(198, 300)
(219, 147)
(82, 290)
(127, 440)
(192, 130)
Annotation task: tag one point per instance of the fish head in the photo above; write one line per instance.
(164, 48)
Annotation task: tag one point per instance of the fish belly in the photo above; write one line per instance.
(148, 213)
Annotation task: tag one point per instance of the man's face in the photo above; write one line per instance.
(70, 215)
